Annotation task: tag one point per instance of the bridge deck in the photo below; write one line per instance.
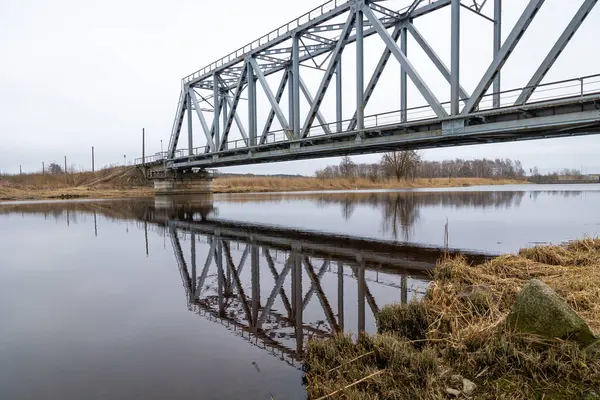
(579, 115)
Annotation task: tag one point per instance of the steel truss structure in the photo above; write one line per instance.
(215, 289)
(316, 41)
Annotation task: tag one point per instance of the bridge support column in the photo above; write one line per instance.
(187, 183)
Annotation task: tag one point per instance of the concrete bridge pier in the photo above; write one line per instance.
(182, 183)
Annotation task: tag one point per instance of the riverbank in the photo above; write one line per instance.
(129, 183)
(455, 343)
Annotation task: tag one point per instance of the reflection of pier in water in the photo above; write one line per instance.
(260, 281)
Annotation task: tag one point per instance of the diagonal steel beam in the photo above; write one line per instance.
(413, 7)
(383, 60)
(284, 297)
(318, 38)
(207, 263)
(233, 109)
(335, 58)
(509, 45)
(181, 264)
(238, 283)
(242, 263)
(316, 281)
(558, 47)
(410, 70)
(434, 58)
(310, 100)
(205, 129)
(238, 121)
(176, 130)
(271, 116)
(308, 296)
(271, 300)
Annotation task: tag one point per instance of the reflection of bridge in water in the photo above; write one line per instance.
(273, 286)
(277, 287)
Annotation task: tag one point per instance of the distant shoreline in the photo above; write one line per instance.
(226, 184)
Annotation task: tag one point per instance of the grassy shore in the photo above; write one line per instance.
(121, 182)
(426, 349)
(279, 184)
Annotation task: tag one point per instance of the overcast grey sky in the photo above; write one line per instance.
(76, 74)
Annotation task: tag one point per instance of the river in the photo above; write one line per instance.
(215, 297)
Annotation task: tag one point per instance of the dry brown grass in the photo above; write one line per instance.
(422, 345)
(249, 184)
(106, 183)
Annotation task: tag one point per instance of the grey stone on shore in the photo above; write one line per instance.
(541, 311)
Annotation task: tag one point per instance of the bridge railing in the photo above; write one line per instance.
(569, 88)
(274, 34)
(153, 159)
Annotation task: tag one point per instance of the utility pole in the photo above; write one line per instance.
(92, 158)
(65, 165)
(20, 170)
(143, 147)
(43, 169)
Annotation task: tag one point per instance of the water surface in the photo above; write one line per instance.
(215, 298)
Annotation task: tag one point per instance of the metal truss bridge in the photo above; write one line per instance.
(237, 124)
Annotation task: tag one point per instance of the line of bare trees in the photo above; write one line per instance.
(410, 165)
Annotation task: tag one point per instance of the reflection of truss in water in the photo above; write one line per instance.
(217, 291)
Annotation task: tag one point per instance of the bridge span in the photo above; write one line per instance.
(219, 105)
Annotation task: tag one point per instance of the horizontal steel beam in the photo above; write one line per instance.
(559, 118)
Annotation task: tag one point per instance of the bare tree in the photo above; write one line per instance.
(347, 167)
(401, 164)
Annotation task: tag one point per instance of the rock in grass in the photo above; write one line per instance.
(468, 387)
(540, 310)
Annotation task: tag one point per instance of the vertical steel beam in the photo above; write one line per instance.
(291, 107)
(224, 112)
(360, 69)
(251, 105)
(338, 96)
(254, 263)
(219, 259)
(295, 87)
(193, 260)
(340, 295)
(403, 76)
(455, 58)
(497, 45)
(296, 260)
(509, 45)
(189, 123)
(217, 109)
(361, 298)
(558, 47)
